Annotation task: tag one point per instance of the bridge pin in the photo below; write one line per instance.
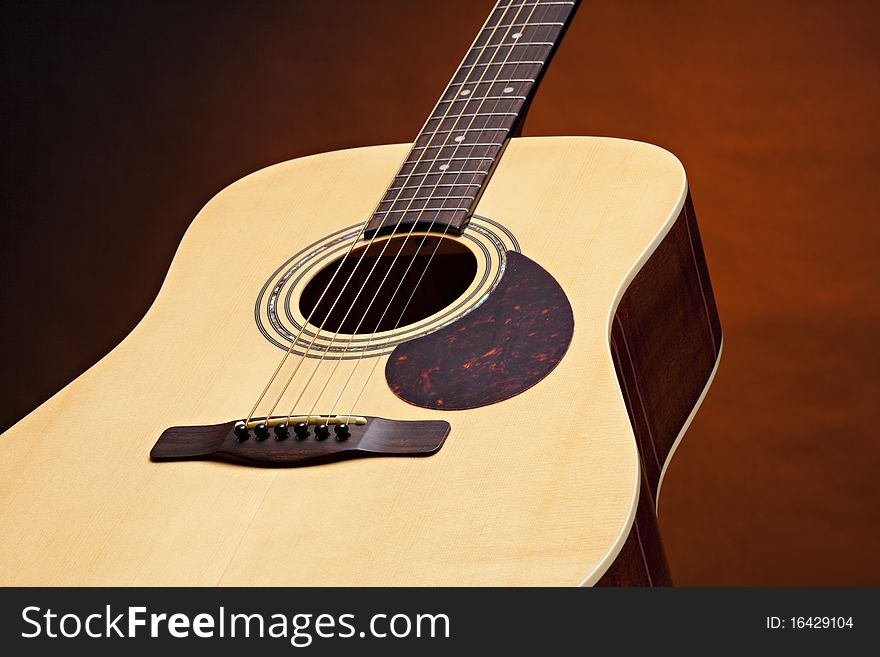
(241, 432)
(301, 429)
(342, 432)
(322, 432)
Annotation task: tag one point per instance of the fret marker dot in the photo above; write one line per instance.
(459, 138)
(465, 92)
(516, 36)
(507, 90)
(443, 167)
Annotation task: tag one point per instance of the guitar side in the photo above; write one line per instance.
(539, 489)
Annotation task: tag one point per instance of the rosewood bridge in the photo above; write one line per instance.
(362, 437)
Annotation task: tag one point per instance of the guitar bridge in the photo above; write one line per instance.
(250, 444)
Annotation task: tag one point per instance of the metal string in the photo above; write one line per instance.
(457, 146)
(354, 243)
(387, 243)
(430, 259)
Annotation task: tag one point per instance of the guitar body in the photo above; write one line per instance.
(535, 486)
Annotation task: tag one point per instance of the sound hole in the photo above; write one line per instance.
(449, 273)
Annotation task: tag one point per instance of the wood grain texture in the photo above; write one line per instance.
(663, 365)
(483, 510)
(666, 342)
(499, 350)
(642, 561)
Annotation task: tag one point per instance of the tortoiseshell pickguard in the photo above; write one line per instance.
(497, 351)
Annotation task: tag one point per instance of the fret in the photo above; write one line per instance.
(402, 187)
(534, 4)
(459, 84)
(462, 107)
(511, 45)
(447, 173)
(462, 140)
(455, 197)
(439, 178)
(507, 98)
(423, 204)
(447, 159)
(457, 145)
(470, 98)
(469, 93)
(459, 116)
(512, 25)
(439, 166)
(395, 200)
(498, 75)
(439, 220)
(472, 121)
(531, 62)
(449, 152)
(535, 38)
(439, 132)
(387, 212)
(454, 154)
(479, 122)
(540, 12)
(473, 115)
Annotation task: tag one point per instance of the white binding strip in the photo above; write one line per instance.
(602, 567)
(687, 423)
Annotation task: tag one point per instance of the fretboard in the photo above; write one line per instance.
(454, 155)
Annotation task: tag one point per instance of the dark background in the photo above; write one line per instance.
(120, 120)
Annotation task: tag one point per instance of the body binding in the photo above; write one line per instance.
(540, 489)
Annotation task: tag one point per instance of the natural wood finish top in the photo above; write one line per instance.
(539, 489)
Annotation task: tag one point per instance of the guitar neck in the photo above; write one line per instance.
(452, 159)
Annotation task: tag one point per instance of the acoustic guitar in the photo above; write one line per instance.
(466, 360)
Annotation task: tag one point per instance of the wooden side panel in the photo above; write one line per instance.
(642, 561)
(665, 340)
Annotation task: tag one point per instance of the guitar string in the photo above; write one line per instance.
(412, 294)
(424, 239)
(354, 243)
(294, 342)
(434, 160)
(457, 145)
